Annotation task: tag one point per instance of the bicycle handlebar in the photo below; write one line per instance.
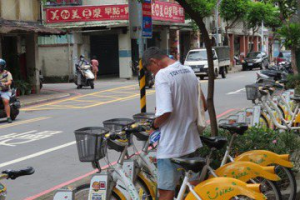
(13, 174)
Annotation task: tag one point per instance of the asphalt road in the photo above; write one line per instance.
(43, 135)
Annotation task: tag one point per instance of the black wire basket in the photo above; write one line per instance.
(252, 92)
(117, 125)
(144, 117)
(91, 144)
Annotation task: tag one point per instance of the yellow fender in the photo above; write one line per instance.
(245, 171)
(297, 119)
(150, 184)
(119, 193)
(221, 188)
(265, 158)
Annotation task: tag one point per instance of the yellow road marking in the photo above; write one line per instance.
(24, 122)
(78, 100)
(77, 97)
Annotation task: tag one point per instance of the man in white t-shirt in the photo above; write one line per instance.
(176, 112)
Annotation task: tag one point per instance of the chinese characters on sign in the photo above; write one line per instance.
(87, 13)
(161, 11)
(164, 11)
(147, 19)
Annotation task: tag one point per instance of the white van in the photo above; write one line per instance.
(197, 60)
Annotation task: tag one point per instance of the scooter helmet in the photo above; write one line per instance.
(81, 57)
(2, 64)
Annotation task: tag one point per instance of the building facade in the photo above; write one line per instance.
(101, 28)
(19, 30)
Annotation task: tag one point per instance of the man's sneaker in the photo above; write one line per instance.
(9, 120)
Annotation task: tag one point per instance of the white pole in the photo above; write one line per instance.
(262, 35)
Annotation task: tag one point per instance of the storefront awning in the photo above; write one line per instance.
(12, 26)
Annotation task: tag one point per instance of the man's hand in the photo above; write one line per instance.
(160, 120)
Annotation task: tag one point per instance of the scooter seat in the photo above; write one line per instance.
(239, 128)
(214, 142)
(194, 164)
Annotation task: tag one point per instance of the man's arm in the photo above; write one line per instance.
(161, 119)
(204, 101)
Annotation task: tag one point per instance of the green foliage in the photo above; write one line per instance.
(231, 10)
(287, 7)
(258, 12)
(293, 81)
(203, 7)
(291, 33)
(257, 139)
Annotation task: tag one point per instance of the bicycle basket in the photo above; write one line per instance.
(144, 117)
(252, 92)
(118, 124)
(91, 145)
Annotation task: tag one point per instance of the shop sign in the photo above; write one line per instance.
(164, 11)
(86, 13)
(161, 11)
(147, 19)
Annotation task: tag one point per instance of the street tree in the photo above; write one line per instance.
(197, 11)
(291, 34)
(233, 12)
(259, 12)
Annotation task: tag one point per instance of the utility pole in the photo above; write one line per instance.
(217, 22)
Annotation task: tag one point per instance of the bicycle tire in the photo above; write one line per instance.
(288, 191)
(263, 122)
(269, 189)
(82, 193)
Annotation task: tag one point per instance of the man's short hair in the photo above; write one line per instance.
(152, 52)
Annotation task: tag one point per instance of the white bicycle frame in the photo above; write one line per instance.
(118, 173)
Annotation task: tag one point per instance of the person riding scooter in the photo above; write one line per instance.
(84, 75)
(5, 91)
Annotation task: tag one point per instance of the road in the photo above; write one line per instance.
(43, 135)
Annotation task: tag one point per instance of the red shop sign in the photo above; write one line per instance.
(164, 11)
(86, 13)
(161, 11)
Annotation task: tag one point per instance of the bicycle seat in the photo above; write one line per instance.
(214, 142)
(296, 98)
(239, 128)
(13, 174)
(194, 164)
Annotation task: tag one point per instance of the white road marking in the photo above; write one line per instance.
(14, 139)
(36, 154)
(237, 91)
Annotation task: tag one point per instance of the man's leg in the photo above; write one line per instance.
(168, 177)
(7, 109)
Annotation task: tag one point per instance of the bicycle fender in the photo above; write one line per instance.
(244, 171)
(119, 193)
(265, 158)
(150, 184)
(297, 119)
(222, 188)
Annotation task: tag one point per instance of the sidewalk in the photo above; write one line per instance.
(44, 96)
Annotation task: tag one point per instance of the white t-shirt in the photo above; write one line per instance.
(176, 92)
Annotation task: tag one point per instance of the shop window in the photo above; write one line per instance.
(63, 2)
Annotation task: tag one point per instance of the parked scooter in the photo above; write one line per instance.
(148, 75)
(84, 76)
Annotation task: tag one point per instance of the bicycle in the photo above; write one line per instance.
(283, 165)
(13, 174)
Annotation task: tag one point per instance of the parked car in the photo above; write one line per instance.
(284, 56)
(197, 60)
(257, 59)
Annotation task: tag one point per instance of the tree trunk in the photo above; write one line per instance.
(294, 64)
(210, 94)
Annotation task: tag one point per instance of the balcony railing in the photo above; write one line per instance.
(63, 2)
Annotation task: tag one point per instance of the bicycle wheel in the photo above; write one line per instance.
(142, 189)
(269, 189)
(82, 193)
(263, 122)
(287, 185)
